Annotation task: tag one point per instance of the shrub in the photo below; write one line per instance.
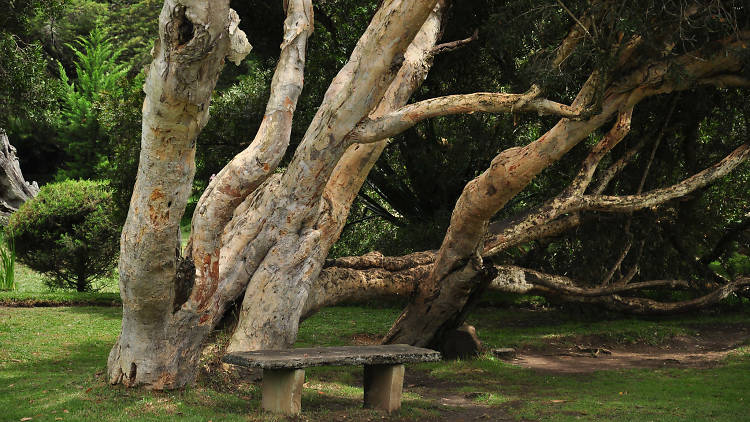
(7, 263)
(68, 233)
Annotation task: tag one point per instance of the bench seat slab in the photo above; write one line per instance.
(391, 354)
(383, 386)
(282, 390)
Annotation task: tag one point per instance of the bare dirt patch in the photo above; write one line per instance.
(705, 349)
(452, 404)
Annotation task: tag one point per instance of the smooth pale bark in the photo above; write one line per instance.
(14, 189)
(302, 226)
(249, 169)
(268, 233)
(158, 348)
(373, 275)
(393, 123)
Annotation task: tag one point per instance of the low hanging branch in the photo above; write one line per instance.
(564, 285)
(387, 276)
(373, 275)
(643, 306)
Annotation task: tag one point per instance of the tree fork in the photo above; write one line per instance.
(158, 348)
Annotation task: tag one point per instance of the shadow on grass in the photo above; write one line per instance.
(73, 383)
(107, 312)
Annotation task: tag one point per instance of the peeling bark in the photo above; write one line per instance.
(458, 269)
(281, 279)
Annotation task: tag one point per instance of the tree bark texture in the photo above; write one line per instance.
(302, 225)
(157, 347)
(458, 269)
(14, 189)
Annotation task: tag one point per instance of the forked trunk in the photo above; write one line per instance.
(157, 347)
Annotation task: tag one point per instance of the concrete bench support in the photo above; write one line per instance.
(383, 386)
(282, 390)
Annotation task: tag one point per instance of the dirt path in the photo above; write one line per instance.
(706, 349)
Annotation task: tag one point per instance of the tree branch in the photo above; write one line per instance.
(618, 132)
(659, 196)
(643, 306)
(250, 168)
(389, 125)
(565, 285)
(454, 45)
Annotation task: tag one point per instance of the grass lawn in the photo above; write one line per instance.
(31, 291)
(52, 363)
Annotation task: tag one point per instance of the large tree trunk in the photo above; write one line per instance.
(158, 347)
(14, 190)
(302, 226)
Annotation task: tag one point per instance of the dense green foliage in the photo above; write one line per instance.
(97, 75)
(68, 233)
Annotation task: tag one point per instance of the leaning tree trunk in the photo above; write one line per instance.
(459, 272)
(267, 233)
(14, 190)
(279, 238)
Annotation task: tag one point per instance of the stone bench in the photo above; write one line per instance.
(284, 373)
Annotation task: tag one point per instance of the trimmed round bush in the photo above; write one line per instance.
(68, 233)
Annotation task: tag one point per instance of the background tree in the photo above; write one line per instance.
(68, 234)
(98, 75)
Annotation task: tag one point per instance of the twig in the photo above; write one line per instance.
(454, 45)
(574, 17)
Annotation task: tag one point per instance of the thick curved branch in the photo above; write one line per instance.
(368, 277)
(489, 102)
(352, 169)
(275, 241)
(643, 306)
(503, 235)
(557, 207)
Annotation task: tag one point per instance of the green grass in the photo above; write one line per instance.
(31, 291)
(508, 328)
(643, 395)
(52, 363)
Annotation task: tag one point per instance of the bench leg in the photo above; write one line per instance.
(282, 390)
(383, 386)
